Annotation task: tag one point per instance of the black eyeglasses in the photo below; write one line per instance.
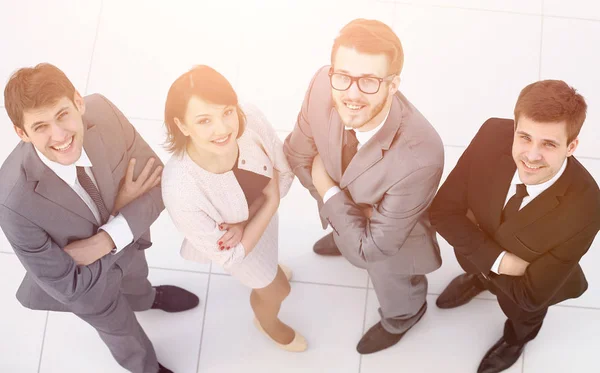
(366, 84)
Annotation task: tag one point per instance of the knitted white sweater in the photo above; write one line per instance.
(198, 201)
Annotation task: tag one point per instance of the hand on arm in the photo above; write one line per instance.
(320, 178)
(87, 251)
(131, 189)
(512, 265)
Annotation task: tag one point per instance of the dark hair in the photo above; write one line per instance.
(205, 83)
(372, 37)
(34, 87)
(552, 101)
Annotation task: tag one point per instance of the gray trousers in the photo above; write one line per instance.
(115, 321)
(402, 299)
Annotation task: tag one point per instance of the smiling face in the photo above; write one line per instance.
(359, 110)
(56, 130)
(540, 149)
(211, 128)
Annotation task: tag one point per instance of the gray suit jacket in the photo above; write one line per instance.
(40, 213)
(397, 172)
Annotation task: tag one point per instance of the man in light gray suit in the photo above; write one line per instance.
(76, 207)
(373, 163)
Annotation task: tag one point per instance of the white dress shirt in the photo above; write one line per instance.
(532, 192)
(117, 227)
(362, 138)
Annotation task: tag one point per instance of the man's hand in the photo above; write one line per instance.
(320, 178)
(512, 265)
(130, 189)
(232, 236)
(87, 251)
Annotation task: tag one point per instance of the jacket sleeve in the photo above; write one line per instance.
(382, 235)
(143, 211)
(548, 273)
(448, 212)
(51, 267)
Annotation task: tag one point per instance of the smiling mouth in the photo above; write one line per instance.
(354, 107)
(64, 147)
(222, 140)
(531, 167)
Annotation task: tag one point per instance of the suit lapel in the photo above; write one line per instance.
(500, 178)
(372, 152)
(539, 206)
(96, 150)
(53, 188)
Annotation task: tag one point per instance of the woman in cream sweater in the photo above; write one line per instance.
(222, 189)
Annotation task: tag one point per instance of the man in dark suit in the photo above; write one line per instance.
(76, 207)
(520, 212)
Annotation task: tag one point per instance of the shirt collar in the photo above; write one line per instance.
(363, 137)
(535, 190)
(68, 173)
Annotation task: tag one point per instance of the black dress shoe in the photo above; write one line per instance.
(326, 246)
(460, 291)
(162, 369)
(377, 339)
(500, 357)
(174, 299)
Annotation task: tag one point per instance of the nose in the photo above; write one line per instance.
(534, 154)
(220, 128)
(58, 134)
(353, 92)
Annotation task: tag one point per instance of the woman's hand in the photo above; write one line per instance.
(233, 235)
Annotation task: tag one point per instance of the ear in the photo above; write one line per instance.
(394, 85)
(182, 127)
(79, 103)
(22, 134)
(572, 146)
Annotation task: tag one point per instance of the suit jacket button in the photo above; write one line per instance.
(243, 161)
(265, 168)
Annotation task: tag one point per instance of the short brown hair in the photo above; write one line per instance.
(552, 101)
(372, 37)
(34, 87)
(205, 83)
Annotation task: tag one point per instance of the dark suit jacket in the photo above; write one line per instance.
(552, 232)
(40, 213)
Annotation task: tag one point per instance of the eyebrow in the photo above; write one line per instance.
(55, 115)
(546, 140)
(359, 76)
(208, 115)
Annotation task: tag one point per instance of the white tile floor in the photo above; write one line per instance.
(465, 61)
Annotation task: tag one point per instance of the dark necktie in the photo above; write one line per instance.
(88, 185)
(349, 149)
(514, 203)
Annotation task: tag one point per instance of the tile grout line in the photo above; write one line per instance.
(540, 14)
(415, 4)
(87, 82)
(203, 321)
(43, 340)
(364, 322)
(180, 270)
(541, 43)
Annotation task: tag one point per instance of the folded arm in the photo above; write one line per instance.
(391, 221)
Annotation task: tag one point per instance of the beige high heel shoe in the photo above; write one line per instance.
(299, 343)
(287, 271)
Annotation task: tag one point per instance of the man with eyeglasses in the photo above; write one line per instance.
(373, 163)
